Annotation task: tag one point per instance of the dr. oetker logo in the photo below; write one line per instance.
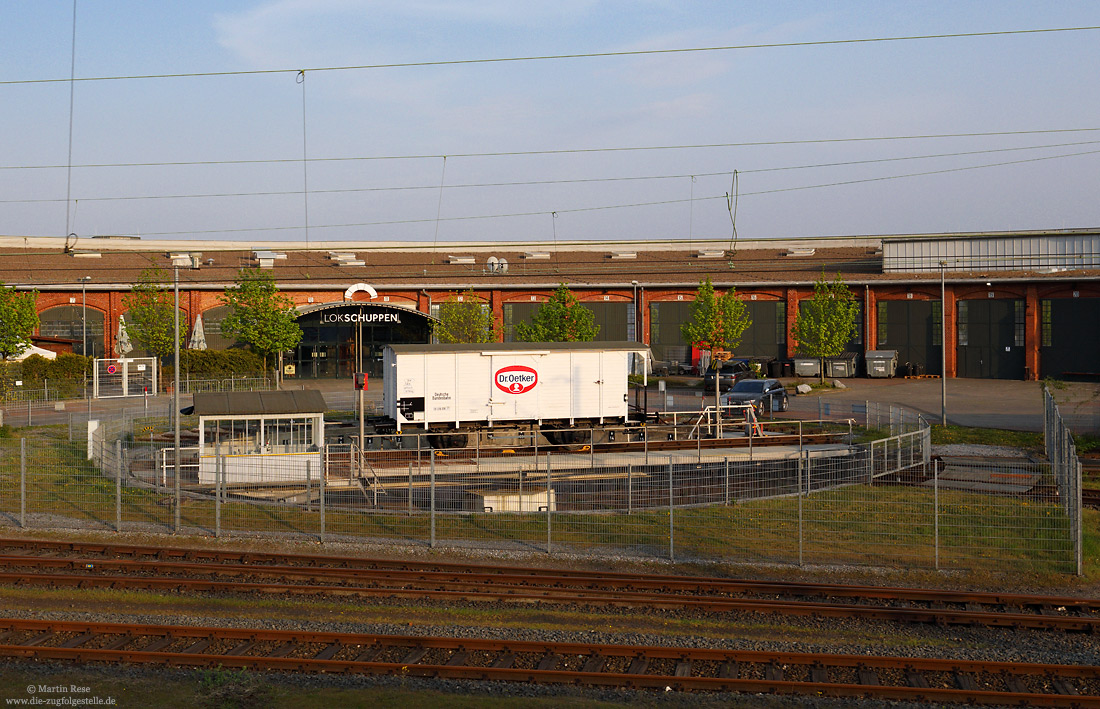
(516, 379)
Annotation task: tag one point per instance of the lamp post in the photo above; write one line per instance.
(84, 313)
(176, 389)
(943, 344)
(177, 261)
(634, 304)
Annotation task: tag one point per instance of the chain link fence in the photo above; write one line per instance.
(1065, 467)
(856, 485)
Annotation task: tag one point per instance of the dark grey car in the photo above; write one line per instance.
(764, 394)
(728, 374)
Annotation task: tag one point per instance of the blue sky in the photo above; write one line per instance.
(364, 128)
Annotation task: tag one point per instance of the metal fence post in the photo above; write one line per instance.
(22, 482)
(219, 462)
(726, 462)
(629, 489)
(178, 501)
(118, 486)
(431, 498)
(801, 459)
(321, 481)
(548, 505)
(936, 507)
(309, 505)
(1076, 521)
(671, 529)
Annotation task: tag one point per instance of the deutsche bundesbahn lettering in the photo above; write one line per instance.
(516, 379)
(360, 317)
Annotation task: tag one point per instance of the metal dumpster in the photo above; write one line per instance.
(842, 366)
(882, 363)
(807, 367)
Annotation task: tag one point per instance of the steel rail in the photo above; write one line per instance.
(465, 455)
(481, 592)
(432, 570)
(534, 661)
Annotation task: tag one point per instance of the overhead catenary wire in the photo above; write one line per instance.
(577, 55)
(578, 180)
(577, 210)
(572, 151)
(72, 98)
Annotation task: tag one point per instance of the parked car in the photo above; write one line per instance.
(729, 373)
(765, 394)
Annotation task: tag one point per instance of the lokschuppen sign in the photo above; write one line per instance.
(367, 318)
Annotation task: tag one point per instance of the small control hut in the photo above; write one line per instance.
(266, 437)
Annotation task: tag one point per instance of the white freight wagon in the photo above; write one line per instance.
(467, 387)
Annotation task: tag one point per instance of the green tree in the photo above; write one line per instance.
(18, 320)
(261, 316)
(151, 323)
(717, 322)
(464, 318)
(827, 321)
(560, 319)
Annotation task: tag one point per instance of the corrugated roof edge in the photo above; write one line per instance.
(513, 346)
(300, 401)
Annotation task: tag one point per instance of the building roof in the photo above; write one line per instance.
(115, 265)
(259, 403)
(519, 347)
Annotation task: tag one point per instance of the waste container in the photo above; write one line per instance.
(882, 363)
(842, 366)
(775, 369)
(807, 367)
(788, 368)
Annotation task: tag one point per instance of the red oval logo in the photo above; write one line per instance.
(516, 379)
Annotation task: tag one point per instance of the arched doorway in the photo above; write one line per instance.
(69, 322)
(339, 339)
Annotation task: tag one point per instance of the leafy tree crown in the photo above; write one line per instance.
(18, 320)
(717, 322)
(259, 315)
(465, 321)
(151, 323)
(561, 319)
(826, 322)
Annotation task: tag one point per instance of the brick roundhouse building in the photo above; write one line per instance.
(1019, 305)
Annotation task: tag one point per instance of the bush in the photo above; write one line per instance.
(217, 364)
(67, 367)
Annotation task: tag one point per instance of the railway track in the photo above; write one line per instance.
(637, 667)
(91, 565)
(463, 455)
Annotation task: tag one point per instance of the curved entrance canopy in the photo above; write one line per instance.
(339, 339)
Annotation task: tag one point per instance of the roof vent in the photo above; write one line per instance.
(266, 259)
(460, 259)
(710, 253)
(496, 265)
(624, 254)
(801, 251)
(346, 258)
(537, 255)
(86, 254)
